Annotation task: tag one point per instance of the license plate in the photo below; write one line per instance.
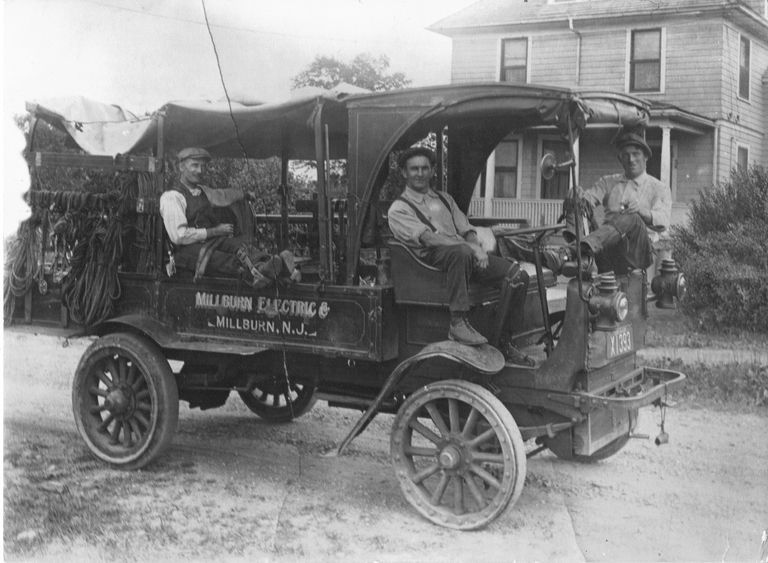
(619, 342)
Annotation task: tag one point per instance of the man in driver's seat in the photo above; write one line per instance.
(439, 233)
(203, 232)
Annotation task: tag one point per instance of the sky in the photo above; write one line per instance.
(140, 54)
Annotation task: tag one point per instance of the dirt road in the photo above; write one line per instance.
(233, 487)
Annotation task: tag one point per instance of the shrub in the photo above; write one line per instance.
(724, 253)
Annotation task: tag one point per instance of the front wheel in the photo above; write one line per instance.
(458, 454)
(125, 400)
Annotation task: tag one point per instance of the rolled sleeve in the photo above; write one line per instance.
(173, 211)
(404, 224)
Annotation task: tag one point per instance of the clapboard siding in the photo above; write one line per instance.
(603, 55)
(475, 58)
(553, 60)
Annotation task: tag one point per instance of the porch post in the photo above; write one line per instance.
(666, 157)
(490, 180)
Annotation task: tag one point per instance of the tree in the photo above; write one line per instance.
(364, 71)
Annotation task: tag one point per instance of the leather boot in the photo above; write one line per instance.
(463, 332)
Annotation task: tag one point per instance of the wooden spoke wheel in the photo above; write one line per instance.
(125, 400)
(279, 400)
(458, 454)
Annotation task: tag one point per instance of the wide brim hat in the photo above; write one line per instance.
(193, 152)
(633, 139)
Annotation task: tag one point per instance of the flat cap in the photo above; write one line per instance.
(633, 139)
(194, 152)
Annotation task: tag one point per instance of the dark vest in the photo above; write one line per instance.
(200, 213)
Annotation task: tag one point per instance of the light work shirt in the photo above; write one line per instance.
(408, 228)
(615, 190)
(173, 209)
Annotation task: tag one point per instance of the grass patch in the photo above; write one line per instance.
(668, 327)
(721, 386)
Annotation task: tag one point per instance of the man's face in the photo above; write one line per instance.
(633, 160)
(191, 170)
(418, 173)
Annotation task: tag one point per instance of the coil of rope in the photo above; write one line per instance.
(23, 265)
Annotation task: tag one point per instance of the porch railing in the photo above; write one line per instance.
(538, 212)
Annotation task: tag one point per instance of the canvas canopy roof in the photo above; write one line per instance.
(287, 128)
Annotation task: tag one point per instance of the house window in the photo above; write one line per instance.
(742, 158)
(645, 61)
(505, 177)
(514, 60)
(744, 52)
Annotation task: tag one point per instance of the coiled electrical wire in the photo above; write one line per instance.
(23, 264)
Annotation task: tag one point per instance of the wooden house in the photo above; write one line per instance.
(702, 64)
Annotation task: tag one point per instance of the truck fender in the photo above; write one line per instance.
(485, 359)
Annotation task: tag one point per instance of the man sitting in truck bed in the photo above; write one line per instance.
(204, 234)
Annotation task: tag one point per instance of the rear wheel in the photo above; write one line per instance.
(279, 400)
(125, 400)
(458, 454)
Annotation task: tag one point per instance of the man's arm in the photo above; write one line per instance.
(173, 212)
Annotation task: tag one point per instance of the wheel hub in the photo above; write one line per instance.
(450, 457)
(118, 401)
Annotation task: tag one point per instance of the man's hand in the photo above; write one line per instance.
(221, 230)
(632, 206)
(481, 256)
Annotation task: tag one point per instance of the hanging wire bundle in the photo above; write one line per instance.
(24, 262)
(92, 284)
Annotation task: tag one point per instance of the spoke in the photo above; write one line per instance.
(437, 494)
(131, 377)
(487, 457)
(426, 472)
(112, 368)
(469, 426)
(135, 429)
(476, 492)
(142, 406)
(98, 408)
(141, 418)
(484, 437)
(127, 438)
(288, 399)
(424, 431)
(122, 366)
(415, 450)
(437, 418)
(114, 435)
(485, 476)
(458, 495)
(276, 400)
(453, 415)
(139, 383)
(142, 394)
(108, 383)
(98, 391)
(106, 422)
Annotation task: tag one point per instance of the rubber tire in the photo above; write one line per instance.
(163, 399)
(507, 432)
(307, 397)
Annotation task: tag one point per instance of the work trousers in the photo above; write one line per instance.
(620, 244)
(223, 260)
(458, 261)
